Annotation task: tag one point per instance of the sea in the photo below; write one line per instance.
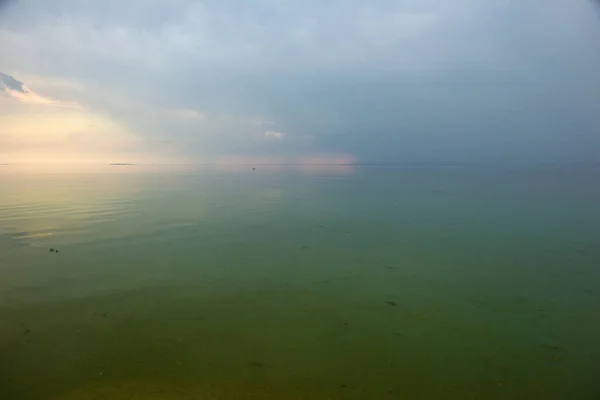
(234, 282)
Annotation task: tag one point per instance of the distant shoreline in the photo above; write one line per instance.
(117, 164)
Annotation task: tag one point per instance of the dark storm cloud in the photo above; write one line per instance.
(8, 82)
(4, 3)
(411, 81)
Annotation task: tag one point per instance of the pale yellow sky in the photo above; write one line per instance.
(37, 128)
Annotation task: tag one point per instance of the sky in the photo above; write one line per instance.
(271, 81)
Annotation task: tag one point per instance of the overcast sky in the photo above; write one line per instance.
(407, 81)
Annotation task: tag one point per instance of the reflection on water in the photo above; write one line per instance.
(305, 169)
(273, 283)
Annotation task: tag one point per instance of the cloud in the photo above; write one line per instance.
(188, 114)
(7, 82)
(413, 81)
(15, 89)
(272, 135)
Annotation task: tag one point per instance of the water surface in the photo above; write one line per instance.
(299, 282)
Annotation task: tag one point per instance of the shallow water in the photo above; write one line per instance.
(299, 283)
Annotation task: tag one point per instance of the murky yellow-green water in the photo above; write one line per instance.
(299, 283)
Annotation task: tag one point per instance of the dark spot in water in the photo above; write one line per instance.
(588, 290)
(52, 250)
(390, 267)
(343, 385)
(26, 331)
(397, 333)
(257, 364)
(304, 247)
(325, 281)
(391, 303)
(253, 169)
(551, 346)
(105, 314)
(321, 226)
(549, 343)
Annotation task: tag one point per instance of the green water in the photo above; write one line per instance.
(299, 283)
